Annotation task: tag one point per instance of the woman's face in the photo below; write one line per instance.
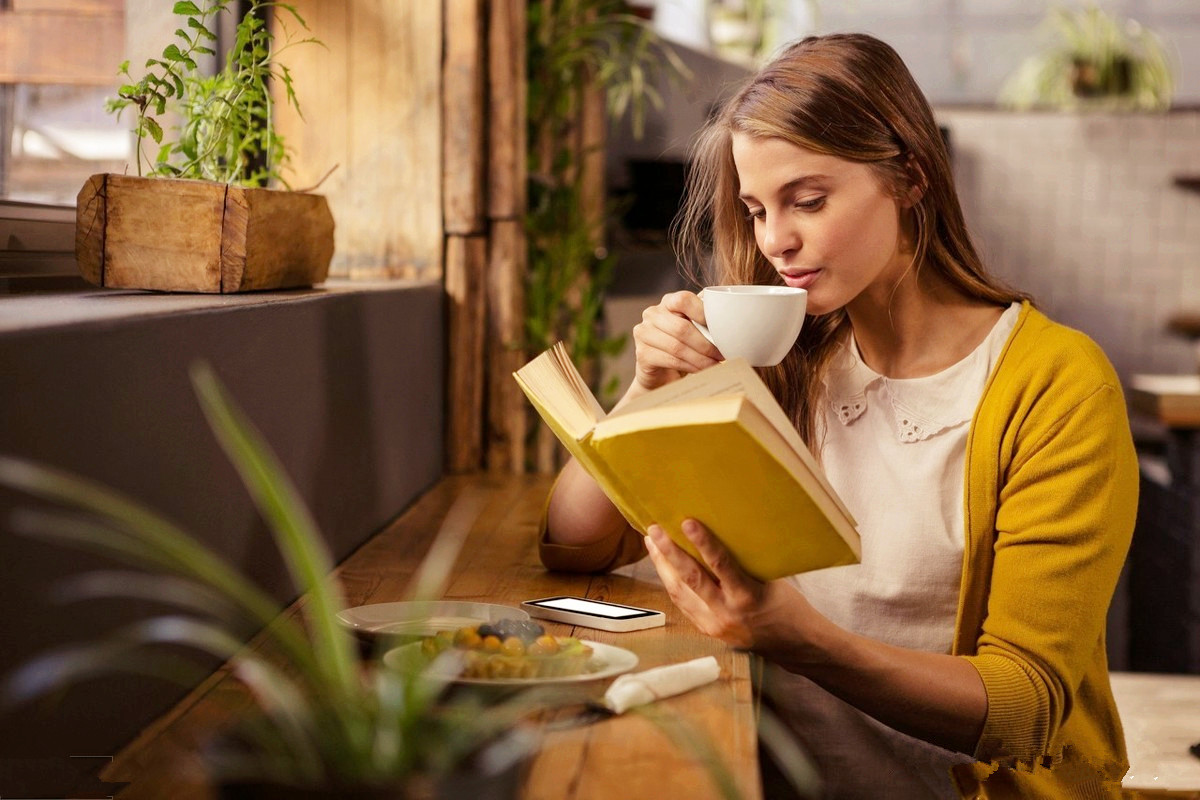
(826, 224)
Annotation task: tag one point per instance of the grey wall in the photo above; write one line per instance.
(961, 51)
(345, 386)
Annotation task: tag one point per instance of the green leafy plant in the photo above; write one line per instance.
(577, 46)
(323, 714)
(1094, 60)
(227, 133)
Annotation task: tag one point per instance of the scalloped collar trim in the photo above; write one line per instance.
(921, 407)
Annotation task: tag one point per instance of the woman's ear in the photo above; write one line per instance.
(917, 183)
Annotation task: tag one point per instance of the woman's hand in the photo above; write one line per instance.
(667, 344)
(933, 696)
(726, 603)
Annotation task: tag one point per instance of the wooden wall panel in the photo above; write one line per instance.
(421, 105)
(463, 113)
(379, 114)
(85, 6)
(24, 57)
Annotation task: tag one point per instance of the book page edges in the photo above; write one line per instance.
(554, 391)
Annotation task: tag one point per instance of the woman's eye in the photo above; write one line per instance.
(812, 204)
(755, 213)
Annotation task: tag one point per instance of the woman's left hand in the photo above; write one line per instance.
(725, 602)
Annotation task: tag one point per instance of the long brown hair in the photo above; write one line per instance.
(851, 96)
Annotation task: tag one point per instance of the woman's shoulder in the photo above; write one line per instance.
(1042, 351)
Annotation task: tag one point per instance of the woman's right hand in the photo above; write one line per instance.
(666, 343)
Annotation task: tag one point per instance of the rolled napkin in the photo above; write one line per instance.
(640, 688)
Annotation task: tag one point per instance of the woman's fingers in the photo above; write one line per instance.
(685, 570)
(666, 339)
(720, 561)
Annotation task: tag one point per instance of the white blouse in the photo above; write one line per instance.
(895, 450)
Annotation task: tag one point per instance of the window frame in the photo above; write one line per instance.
(36, 240)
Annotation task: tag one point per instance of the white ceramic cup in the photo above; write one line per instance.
(758, 323)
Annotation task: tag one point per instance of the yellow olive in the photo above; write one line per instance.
(492, 643)
(513, 646)
(468, 638)
(544, 646)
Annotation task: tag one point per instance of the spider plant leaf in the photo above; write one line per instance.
(138, 537)
(295, 531)
(182, 593)
(288, 711)
(795, 764)
(55, 670)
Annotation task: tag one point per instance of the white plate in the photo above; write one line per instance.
(607, 660)
(424, 618)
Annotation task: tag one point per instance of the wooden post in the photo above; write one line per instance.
(463, 113)
(508, 413)
(466, 273)
(507, 149)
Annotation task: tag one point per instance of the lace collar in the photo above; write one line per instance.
(921, 407)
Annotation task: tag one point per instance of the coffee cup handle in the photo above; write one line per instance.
(701, 326)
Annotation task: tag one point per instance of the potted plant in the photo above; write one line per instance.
(324, 718)
(200, 215)
(1095, 60)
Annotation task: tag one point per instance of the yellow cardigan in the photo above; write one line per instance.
(1050, 499)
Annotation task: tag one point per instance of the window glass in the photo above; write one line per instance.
(54, 130)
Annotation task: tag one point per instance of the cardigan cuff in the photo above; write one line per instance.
(1016, 732)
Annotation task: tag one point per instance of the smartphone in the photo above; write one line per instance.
(594, 613)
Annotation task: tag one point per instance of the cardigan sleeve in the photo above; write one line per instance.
(1064, 521)
(605, 555)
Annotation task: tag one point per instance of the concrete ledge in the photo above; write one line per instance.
(345, 382)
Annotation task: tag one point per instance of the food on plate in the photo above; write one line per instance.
(511, 648)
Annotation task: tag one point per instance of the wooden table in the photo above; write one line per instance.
(1173, 400)
(1161, 717)
(624, 757)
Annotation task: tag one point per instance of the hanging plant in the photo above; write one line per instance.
(1095, 61)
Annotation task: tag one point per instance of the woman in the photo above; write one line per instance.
(984, 450)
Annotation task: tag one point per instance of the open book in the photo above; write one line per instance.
(714, 446)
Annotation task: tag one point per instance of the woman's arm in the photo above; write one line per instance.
(938, 698)
(666, 346)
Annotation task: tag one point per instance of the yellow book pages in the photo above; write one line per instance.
(720, 461)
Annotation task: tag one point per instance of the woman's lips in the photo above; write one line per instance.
(801, 279)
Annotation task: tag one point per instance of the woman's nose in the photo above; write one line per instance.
(779, 236)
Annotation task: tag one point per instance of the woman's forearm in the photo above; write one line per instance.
(579, 512)
(935, 697)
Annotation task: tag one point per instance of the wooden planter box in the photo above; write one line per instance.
(197, 236)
